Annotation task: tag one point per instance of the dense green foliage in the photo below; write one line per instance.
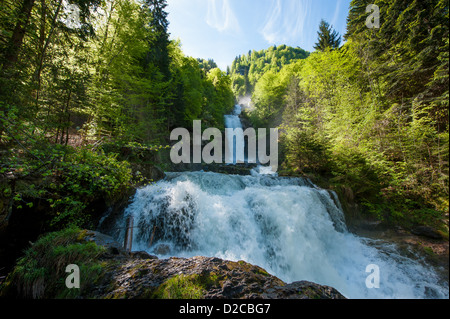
(40, 273)
(125, 79)
(68, 179)
(80, 82)
(373, 114)
(87, 87)
(246, 70)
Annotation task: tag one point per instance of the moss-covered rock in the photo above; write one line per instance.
(40, 273)
(109, 272)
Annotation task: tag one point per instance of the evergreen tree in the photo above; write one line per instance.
(11, 50)
(159, 42)
(206, 65)
(248, 69)
(372, 115)
(328, 38)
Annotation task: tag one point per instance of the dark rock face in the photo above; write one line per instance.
(303, 290)
(216, 278)
(426, 232)
(235, 169)
(140, 275)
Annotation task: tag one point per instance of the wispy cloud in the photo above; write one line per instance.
(336, 13)
(221, 16)
(285, 20)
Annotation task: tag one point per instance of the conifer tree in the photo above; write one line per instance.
(328, 38)
(159, 24)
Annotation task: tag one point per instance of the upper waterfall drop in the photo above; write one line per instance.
(233, 121)
(249, 146)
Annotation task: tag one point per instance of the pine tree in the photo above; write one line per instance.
(158, 54)
(328, 38)
(356, 18)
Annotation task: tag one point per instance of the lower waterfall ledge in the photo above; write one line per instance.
(109, 272)
(203, 278)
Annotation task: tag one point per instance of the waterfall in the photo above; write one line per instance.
(288, 226)
(234, 122)
(285, 225)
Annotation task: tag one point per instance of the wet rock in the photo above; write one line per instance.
(303, 290)
(426, 231)
(214, 278)
(162, 249)
(138, 275)
(113, 248)
(102, 240)
(142, 255)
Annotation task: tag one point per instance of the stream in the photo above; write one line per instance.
(288, 226)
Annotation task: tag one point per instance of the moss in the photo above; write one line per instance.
(180, 287)
(429, 251)
(212, 279)
(260, 271)
(117, 294)
(139, 270)
(444, 234)
(82, 235)
(185, 286)
(40, 273)
(309, 293)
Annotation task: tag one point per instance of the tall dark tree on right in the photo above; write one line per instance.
(328, 38)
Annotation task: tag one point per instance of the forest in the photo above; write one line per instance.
(369, 117)
(81, 81)
(90, 91)
(246, 70)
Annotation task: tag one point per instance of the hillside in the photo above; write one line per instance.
(247, 69)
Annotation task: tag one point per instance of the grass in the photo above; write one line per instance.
(181, 287)
(187, 286)
(40, 273)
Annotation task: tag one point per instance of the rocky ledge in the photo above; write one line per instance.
(108, 272)
(204, 278)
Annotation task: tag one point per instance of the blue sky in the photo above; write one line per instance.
(224, 29)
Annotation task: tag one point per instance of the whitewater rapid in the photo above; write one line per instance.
(288, 226)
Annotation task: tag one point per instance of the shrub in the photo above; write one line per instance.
(40, 273)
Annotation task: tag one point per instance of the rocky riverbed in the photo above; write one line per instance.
(113, 273)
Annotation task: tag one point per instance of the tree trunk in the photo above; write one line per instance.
(15, 43)
(13, 49)
(47, 41)
(37, 75)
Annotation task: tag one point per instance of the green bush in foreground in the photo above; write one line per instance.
(40, 273)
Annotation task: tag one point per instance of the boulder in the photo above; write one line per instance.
(142, 255)
(210, 277)
(114, 273)
(303, 290)
(162, 249)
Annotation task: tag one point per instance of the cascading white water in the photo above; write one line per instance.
(233, 122)
(288, 226)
